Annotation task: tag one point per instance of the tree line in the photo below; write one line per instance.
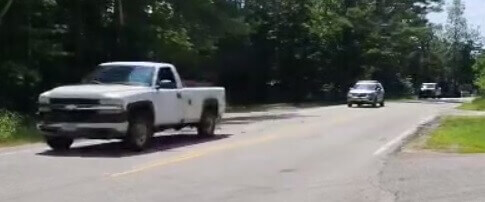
(261, 51)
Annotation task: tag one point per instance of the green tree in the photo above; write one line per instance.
(479, 68)
(461, 44)
(261, 51)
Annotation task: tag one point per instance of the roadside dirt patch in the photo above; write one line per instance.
(418, 142)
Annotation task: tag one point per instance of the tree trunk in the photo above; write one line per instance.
(120, 13)
(119, 53)
(5, 9)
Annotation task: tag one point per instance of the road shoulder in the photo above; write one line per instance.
(417, 174)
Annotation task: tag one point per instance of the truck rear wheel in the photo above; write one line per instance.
(140, 132)
(59, 143)
(207, 124)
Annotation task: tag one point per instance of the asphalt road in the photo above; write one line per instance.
(427, 176)
(313, 154)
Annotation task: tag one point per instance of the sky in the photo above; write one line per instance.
(474, 13)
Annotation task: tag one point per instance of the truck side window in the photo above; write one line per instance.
(166, 74)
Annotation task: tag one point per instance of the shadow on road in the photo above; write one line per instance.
(268, 107)
(367, 106)
(118, 149)
(239, 120)
(436, 101)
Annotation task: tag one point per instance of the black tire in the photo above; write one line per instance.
(349, 105)
(359, 105)
(207, 124)
(59, 143)
(383, 103)
(374, 104)
(140, 132)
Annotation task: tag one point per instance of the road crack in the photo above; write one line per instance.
(376, 182)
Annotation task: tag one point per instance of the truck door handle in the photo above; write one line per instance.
(179, 96)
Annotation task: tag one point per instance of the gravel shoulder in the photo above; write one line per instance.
(418, 174)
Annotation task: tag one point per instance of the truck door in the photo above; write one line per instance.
(168, 98)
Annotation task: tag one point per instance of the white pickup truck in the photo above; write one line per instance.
(129, 101)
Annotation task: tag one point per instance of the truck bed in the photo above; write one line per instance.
(194, 97)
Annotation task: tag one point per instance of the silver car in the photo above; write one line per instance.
(366, 92)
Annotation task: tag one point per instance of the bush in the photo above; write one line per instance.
(479, 68)
(480, 82)
(9, 124)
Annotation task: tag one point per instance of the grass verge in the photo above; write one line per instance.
(459, 134)
(477, 104)
(16, 129)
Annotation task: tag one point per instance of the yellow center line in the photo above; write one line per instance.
(219, 148)
(196, 154)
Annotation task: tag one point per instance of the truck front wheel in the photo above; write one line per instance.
(59, 143)
(383, 103)
(207, 124)
(140, 132)
(374, 104)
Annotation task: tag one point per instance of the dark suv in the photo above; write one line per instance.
(429, 90)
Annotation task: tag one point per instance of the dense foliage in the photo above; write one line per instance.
(261, 51)
(479, 69)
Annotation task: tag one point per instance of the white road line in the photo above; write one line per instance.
(39, 147)
(399, 140)
(16, 152)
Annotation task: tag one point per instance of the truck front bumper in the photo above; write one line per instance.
(83, 124)
(85, 130)
(427, 93)
(360, 100)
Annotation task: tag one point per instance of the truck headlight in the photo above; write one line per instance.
(111, 102)
(44, 100)
(110, 106)
(44, 104)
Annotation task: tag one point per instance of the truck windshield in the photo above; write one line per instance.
(429, 85)
(125, 75)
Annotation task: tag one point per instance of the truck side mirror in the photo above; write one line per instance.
(166, 84)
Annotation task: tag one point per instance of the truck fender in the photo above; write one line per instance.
(145, 106)
(210, 105)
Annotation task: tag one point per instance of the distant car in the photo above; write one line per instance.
(430, 90)
(366, 92)
(465, 93)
